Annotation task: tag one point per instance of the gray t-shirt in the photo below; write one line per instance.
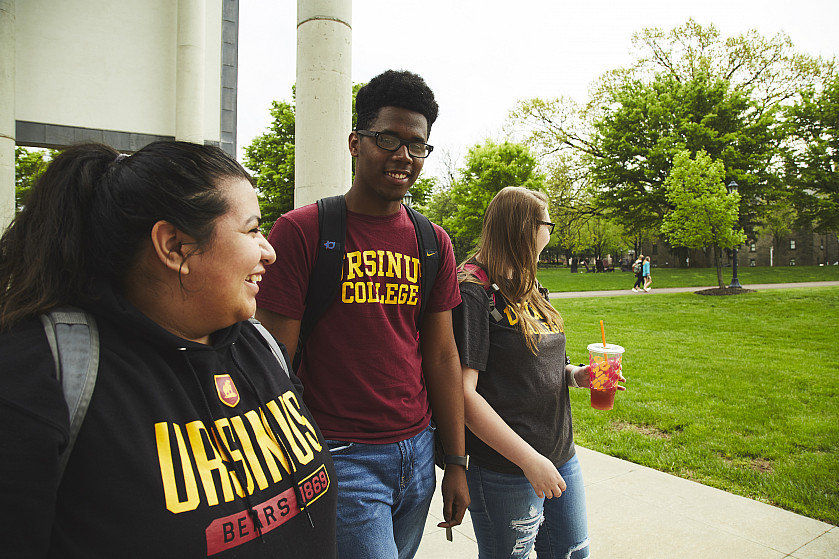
(528, 391)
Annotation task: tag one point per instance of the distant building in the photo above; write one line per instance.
(800, 248)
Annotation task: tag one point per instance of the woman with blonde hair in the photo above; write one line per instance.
(516, 377)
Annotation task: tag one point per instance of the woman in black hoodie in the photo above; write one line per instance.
(195, 442)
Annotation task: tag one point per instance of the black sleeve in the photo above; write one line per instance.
(471, 326)
(34, 426)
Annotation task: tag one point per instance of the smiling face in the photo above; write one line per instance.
(383, 177)
(223, 277)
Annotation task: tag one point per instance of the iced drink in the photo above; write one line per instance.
(605, 364)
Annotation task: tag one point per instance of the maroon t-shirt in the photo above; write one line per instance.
(361, 368)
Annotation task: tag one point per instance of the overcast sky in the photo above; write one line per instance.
(480, 57)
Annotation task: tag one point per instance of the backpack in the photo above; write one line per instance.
(636, 267)
(325, 280)
(490, 288)
(74, 342)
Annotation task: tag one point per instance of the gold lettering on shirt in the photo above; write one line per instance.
(233, 454)
(353, 265)
(292, 433)
(167, 470)
(292, 407)
(370, 268)
(234, 444)
(512, 315)
(412, 269)
(268, 446)
(254, 466)
(394, 264)
(208, 460)
(367, 275)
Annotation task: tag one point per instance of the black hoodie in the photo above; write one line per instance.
(172, 427)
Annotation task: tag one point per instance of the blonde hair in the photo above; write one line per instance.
(507, 249)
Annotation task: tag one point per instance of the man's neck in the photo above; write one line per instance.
(370, 206)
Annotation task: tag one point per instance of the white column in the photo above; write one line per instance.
(7, 112)
(189, 81)
(323, 119)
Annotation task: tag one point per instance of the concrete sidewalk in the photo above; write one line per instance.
(612, 293)
(637, 512)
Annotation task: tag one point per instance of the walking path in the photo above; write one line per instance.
(612, 293)
(635, 512)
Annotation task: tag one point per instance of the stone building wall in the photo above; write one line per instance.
(801, 248)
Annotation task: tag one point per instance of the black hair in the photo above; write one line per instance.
(395, 88)
(90, 213)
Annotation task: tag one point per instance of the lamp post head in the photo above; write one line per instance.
(408, 199)
(732, 187)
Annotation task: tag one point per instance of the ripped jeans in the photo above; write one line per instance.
(507, 515)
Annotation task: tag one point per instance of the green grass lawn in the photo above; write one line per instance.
(736, 392)
(561, 279)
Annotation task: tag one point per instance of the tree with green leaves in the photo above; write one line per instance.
(570, 206)
(421, 192)
(647, 124)
(767, 70)
(812, 163)
(271, 159)
(703, 212)
(29, 165)
(689, 88)
(489, 167)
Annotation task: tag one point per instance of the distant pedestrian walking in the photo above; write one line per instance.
(637, 269)
(646, 273)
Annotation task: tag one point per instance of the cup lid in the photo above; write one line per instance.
(609, 348)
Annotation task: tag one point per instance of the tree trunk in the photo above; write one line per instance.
(718, 262)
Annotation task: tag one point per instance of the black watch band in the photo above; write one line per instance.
(457, 460)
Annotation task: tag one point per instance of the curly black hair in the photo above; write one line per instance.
(395, 88)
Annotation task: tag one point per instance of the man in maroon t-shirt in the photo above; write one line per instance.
(371, 379)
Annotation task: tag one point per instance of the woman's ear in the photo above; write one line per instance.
(168, 242)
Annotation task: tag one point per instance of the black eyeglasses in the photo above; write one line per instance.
(550, 226)
(390, 142)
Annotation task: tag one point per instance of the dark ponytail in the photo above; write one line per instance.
(91, 211)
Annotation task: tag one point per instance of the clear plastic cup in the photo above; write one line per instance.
(605, 364)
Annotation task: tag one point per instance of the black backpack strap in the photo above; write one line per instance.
(74, 342)
(429, 253)
(490, 289)
(325, 280)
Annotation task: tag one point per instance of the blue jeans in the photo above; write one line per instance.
(384, 491)
(507, 515)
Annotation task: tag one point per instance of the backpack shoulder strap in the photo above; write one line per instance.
(74, 343)
(272, 343)
(491, 289)
(429, 252)
(326, 275)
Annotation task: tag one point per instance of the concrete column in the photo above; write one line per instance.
(322, 164)
(7, 113)
(189, 81)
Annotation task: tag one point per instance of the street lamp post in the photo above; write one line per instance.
(408, 199)
(735, 283)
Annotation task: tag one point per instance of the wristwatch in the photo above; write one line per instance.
(457, 460)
